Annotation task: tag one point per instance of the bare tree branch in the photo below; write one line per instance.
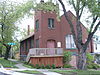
(91, 34)
(93, 22)
(81, 10)
(96, 27)
(73, 4)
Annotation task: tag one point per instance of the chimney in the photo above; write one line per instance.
(28, 32)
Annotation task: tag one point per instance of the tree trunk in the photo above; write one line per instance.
(7, 52)
(81, 65)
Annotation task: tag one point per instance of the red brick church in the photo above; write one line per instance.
(50, 38)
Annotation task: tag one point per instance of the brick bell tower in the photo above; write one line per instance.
(46, 27)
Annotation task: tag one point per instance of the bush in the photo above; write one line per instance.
(67, 66)
(47, 66)
(67, 57)
(93, 66)
(37, 66)
(32, 65)
(42, 66)
(90, 58)
(90, 64)
(29, 65)
(26, 63)
(53, 66)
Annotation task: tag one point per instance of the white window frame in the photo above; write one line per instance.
(70, 41)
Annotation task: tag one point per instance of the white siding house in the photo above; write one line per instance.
(97, 41)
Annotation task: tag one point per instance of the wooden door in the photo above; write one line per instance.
(51, 44)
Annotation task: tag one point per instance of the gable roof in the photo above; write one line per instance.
(29, 36)
(70, 13)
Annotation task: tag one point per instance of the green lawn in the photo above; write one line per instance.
(30, 72)
(77, 72)
(28, 65)
(7, 63)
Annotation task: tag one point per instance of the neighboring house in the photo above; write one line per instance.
(50, 38)
(96, 42)
(96, 39)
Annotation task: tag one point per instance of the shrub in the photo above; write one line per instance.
(90, 58)
(29, 65)
(42, 66)
(37, 66)
(67, 66)
(90, 64)
(32, 65)
(93, 66)
(47, 66)
(67, 57)
(26, 63)
(53, 66)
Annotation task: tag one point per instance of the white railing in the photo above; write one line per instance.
(44, 52)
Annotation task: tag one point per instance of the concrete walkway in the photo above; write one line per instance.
(21, 67)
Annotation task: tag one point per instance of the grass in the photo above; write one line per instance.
(28, 66)
(30, 72)
(62, 71)
(77, 72)
(7, 63)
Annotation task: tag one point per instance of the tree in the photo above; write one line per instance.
(79, 6)
(9, 14)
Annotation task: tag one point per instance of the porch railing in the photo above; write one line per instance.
(44, 52)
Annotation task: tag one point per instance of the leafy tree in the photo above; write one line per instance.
(80, 6)
(10, 13)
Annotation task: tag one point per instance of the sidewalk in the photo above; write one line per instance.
(21, 68)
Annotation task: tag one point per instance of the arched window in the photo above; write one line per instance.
(70, 41)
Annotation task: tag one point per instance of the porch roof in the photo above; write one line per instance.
(28, 36)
